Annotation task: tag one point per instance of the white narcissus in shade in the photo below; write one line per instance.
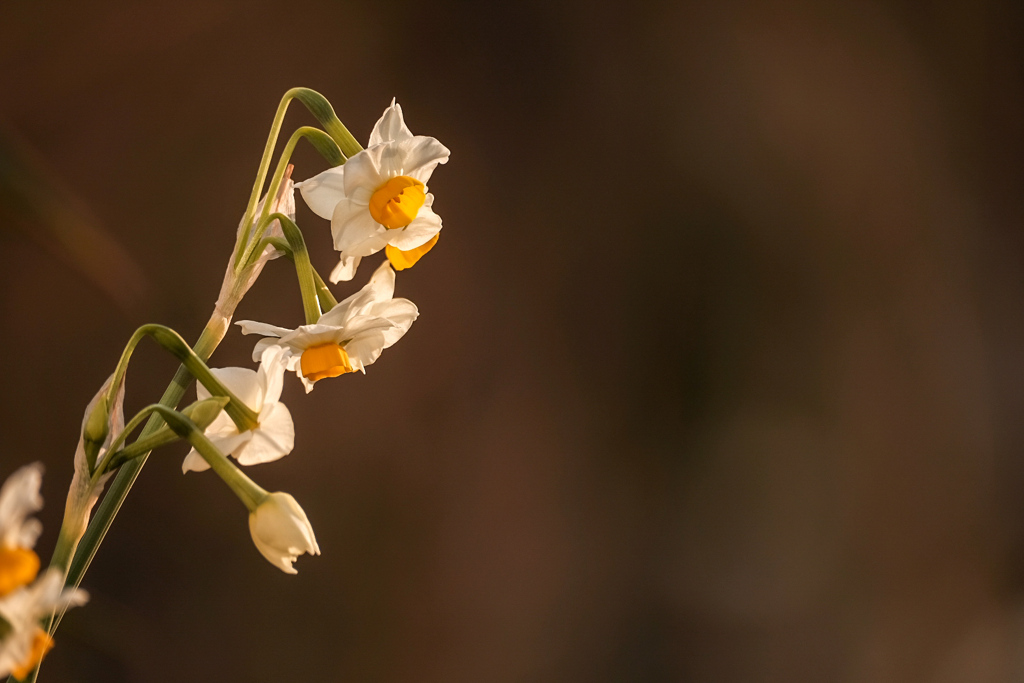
(348, 337)
(22, 642)
(281, 531)
(19, 499)
(378, 199)
(273, 437)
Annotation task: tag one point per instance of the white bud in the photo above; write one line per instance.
(281, 531)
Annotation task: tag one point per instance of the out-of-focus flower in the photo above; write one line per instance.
(19, 499)
(378, 199)
(281, 531)
(273, 437)
(347, 338)
(22, 642)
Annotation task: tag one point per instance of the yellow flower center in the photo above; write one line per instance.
(325, 360)
(401, 260)
(41, 644)
(18, 566)
(397, 202)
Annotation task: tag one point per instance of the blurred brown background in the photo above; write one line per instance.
(718, 375)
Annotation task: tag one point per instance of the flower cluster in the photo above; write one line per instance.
(376, 199)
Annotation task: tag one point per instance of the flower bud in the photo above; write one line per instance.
(281, 531)
(95, 429)
(204, 412)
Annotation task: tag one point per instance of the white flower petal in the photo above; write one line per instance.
(346, 269)
(23, 608)
(254, 327)
(391, 126)
(273, 362)
(419, 232)
(323, 191)
(365, 348)
(314, 335)
(194, 462)
(230, 444)
(244, 383)
(272, 440)
(354, 230)
(221, 427)
(362, 174)
(402, 313)
(380, 288)
(421, 155)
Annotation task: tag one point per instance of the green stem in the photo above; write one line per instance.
(319, 140)
(261, 174)
(303, 268)
(122, 483)
(242, 415)
(323, 292)
(245, 488)
(325, 145)
(202, 413)
(248, 491)
(322, 110)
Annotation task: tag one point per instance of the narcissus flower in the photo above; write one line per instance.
(273, 437)
(19, 498)
(22, 642)
(281, 531)
(347, 338)
(378, 199)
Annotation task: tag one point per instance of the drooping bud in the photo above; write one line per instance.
(281, 531)
(204, 412)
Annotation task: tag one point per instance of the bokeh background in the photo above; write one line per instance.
(718, 374)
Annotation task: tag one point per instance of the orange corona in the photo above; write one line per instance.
(324, 360)
(396, 203)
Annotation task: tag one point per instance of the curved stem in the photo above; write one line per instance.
(202, 413)
(325, 145)
(323, 292)
(315, 136)
(242, 415)
(129, 472)
(303, 268)
(322, 110)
